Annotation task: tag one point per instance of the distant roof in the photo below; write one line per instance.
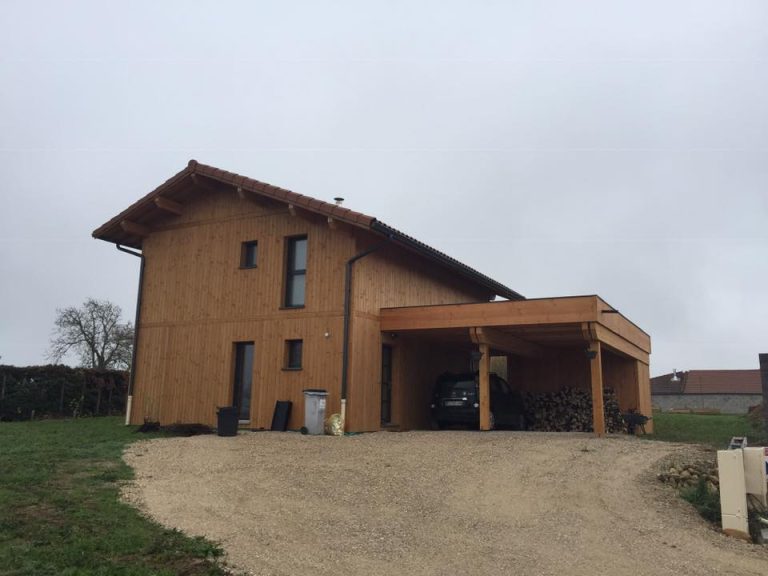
(663, 384)
(145, 212)
(709, 382)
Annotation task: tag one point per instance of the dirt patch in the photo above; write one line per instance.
(422, 503)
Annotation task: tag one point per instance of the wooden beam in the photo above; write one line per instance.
(240, 193)
(331, 223)
(596, 379)
(582, 313)
(135, 228)
(503, 313)
(620, 325)
(485, 387)
(292, 209)
(503, 342)
(169, 205)
(617, 343)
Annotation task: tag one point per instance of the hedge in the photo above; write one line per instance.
(58, 391)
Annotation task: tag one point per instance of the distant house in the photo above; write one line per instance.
(726, 391)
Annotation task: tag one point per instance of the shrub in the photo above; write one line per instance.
(706, 501)
(60, 391)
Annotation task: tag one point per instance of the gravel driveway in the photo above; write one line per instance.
(421, 503)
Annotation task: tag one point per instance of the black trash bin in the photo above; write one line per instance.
(228, 420)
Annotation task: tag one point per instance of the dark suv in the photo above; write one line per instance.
(456, 400)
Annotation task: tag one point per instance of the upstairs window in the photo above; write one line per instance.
(249, 254)
(293, 353)
(295, 272)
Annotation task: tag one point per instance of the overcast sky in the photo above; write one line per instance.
(612, 147)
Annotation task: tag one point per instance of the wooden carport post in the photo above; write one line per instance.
(596, 379)
(485, 387)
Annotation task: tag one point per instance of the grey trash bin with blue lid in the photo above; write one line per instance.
(314, 411)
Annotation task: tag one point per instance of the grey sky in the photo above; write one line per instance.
(615, 147)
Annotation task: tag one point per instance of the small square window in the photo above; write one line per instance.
(249, 254)
(293, 353)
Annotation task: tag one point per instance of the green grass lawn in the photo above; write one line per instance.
(60, 513)
(714, 430)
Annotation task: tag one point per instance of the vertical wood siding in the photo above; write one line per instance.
(620, 374)
(386, 278)
(197, 303)
(560, 368)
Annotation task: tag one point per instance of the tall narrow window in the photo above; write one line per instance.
(249, 254)
(296, 272)
(293, 354)
(241, 396)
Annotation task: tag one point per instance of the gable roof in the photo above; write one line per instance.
(145, 211)
(709, 382)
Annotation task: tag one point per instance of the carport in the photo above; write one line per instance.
(549, 342)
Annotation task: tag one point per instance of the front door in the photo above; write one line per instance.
(386, 384)
(241, 394)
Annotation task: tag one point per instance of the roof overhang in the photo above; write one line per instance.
(137, 221)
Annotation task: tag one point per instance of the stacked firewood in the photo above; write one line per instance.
(570, 410)
(614, 422)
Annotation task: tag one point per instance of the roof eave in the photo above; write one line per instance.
(445, 260)
(111, 231)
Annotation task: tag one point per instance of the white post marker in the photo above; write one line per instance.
(733, 493)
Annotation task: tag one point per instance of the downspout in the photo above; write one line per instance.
(347, 314)
(135, 350)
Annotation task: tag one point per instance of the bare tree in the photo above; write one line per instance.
(94, 332)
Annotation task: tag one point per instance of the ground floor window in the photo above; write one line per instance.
(293, 354)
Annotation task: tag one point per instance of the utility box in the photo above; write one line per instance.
(733, 493)
(742, 471)
(755, 480)
(314, 411)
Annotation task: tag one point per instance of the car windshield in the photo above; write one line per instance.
(464, 386)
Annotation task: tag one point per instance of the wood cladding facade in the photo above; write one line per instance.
(391, 277)
(198, 302)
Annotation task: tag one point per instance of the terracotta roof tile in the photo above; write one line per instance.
(663, 384)
(709, 382)
(723, 382)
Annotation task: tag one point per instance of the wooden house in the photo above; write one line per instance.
(250, 294)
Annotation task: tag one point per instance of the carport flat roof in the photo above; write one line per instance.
(520, 326)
